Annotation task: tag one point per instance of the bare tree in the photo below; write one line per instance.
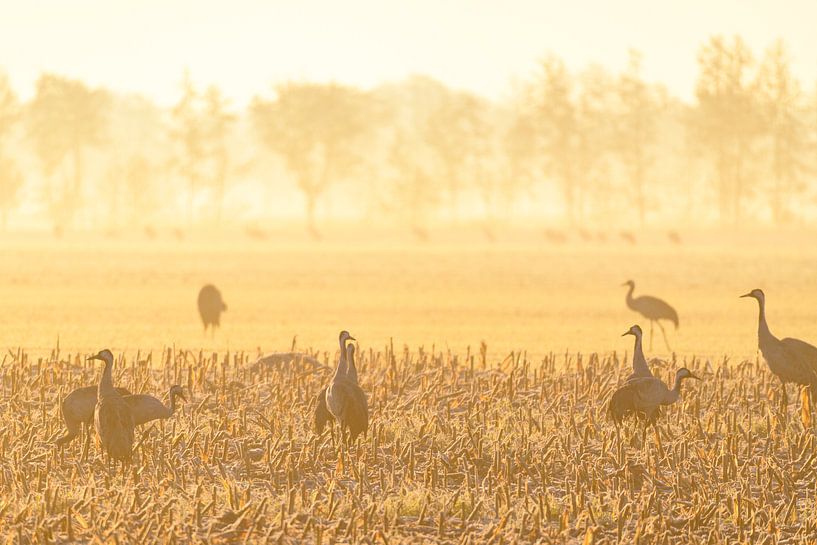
(218, 123)
(726, 119)
(316, 128)
(11, 180)
(783, 114)
(64, 118)
(556, 118)
(189, 134)
(636, 131)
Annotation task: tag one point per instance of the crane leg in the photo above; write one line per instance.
(664, 333)
(785, 398)
(651, 326)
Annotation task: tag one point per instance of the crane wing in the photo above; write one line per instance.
(804, 356)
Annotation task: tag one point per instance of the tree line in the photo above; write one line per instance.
(576, 148)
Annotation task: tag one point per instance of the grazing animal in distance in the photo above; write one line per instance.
(640, 367)
(322, 415)
(112, 415)
(643, 397)
(653, 309)
(211, 305)
(145, 408)
(791, 360)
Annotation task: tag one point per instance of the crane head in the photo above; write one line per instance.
(683, 372)
(629, 283)
(635, 330)
(104, 355)
(345, 336)
(756, 294)
(177, 390)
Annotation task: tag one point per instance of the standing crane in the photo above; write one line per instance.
(146, 408)
(78, 408)
(211, 305)
(643, 397)
(653, 309)
(112, 415)
(792, 360)
(640, 368)
(346, 402)
(322, 414)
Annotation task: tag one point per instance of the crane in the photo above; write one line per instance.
(653, 309)
(791, 360)
(112, 415)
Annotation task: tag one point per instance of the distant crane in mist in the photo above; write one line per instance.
(211, 305)
(628, 237)
(792, 360)
(640, 367)
(653, 309)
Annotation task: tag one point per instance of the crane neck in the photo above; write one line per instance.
(630, 294)
(342, 368)
(763, 332)
(639, 361)
(172, 407)
(350, 361)
(105, 387)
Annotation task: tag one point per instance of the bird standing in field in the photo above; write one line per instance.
(643, 397)
(640, 368)
(653, 309)
(792, 360)
(211, 305)
(346, 402)
(145, 408)
(112, 415)
(322, 414)
(78, 408)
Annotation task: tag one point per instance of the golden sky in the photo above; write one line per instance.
(244, 46)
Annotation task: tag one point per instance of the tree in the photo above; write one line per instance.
(556, 119)
(217, 125)
(11, 179)
(726, 120)
(782, 114)
(189, 134)
(316, 128)
(65, 117)
(636, 131)
(453, 131)
(594, 141)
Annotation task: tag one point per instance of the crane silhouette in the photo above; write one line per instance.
(640, 367)
(791, 360)
(653, 309)
(112, 416)
(322, 415)
(644, 396)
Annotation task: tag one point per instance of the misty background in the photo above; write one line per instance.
(588, 148)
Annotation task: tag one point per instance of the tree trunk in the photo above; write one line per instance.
(311, 199)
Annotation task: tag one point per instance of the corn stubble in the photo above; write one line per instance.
(460, 450)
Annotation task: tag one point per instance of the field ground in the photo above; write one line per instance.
(462, 447)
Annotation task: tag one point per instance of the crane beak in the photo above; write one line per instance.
(352, 338)
(746, 295)
(626, 333)
(696, 377)
(92, 358)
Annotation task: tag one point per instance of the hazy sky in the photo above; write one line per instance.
(244, 46)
